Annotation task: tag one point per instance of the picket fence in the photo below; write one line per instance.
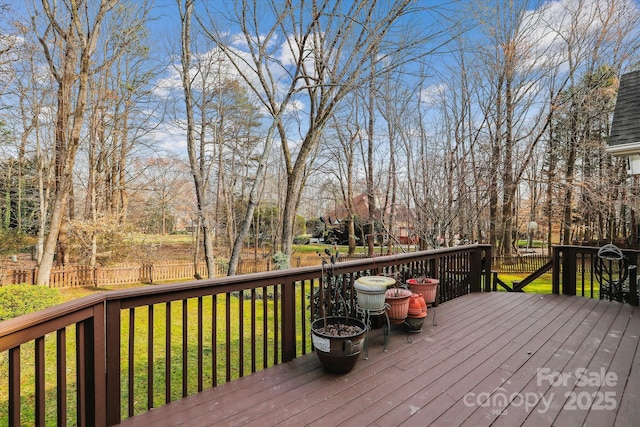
(78, 275)
(71, 276)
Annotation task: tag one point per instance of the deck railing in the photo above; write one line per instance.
(574, 272)
(113, 355)
(97, 360)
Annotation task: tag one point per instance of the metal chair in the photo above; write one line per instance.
(611, 268)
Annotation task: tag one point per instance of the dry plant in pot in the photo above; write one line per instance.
(426, 286)
(337, 337)
(397, 300)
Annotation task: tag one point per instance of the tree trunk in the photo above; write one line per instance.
(196, 159)
(252, 203)
(371, 196)
(294, 181)
(76, 67)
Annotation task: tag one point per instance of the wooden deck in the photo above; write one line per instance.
(491, 360)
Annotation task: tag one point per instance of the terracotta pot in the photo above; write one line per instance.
(398, 301)
(423, 304)
(417, 307)
(425, 286)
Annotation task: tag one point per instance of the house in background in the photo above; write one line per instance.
(403, 231)
(360, 205)
(624, 139)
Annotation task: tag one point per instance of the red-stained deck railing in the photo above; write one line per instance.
(97, 360)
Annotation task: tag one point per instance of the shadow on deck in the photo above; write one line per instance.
(493, 359)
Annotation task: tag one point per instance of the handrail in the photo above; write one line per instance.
(48, 316)
(574, 273)
(87, 314)
(189, 327)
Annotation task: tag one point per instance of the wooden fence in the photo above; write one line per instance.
(519, 264)
(77, 275)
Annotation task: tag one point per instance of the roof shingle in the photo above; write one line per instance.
(625, 128)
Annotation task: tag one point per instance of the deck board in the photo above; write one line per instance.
(485, 346)
(510, 358)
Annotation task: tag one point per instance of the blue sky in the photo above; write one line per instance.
(166, 28)
(165, 34)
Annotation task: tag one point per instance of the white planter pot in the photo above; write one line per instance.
(371, 291)
(371, 300)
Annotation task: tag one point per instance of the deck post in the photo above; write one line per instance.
(555, 270)
(569, 260)
(476, 270)
(96, 361)
(485, 267)
(100, 367)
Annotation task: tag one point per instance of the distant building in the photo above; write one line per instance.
(624, 139)
(403, 231)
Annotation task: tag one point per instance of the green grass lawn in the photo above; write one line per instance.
(543, 285)
(215, 345)
(216, 368)
(214, 348)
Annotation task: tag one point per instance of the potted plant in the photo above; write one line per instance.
(337, 337)
(371, 292)
(426, 286)
(397, 300)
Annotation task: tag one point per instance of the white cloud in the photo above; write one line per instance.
(166, 85)
(548, 29)
(433, 95)
(169, 137)
(295, 106)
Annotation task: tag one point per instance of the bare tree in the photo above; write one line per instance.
(237, 126)
(517, 67)
(8, 46)
(199, 161)
(597, 36)
(70, 33)
(32, 95)
(115, 122)
(341, 161)
(309, 55)
(164, 184)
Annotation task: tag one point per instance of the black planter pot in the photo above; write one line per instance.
(338, 354)
(413, 324)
